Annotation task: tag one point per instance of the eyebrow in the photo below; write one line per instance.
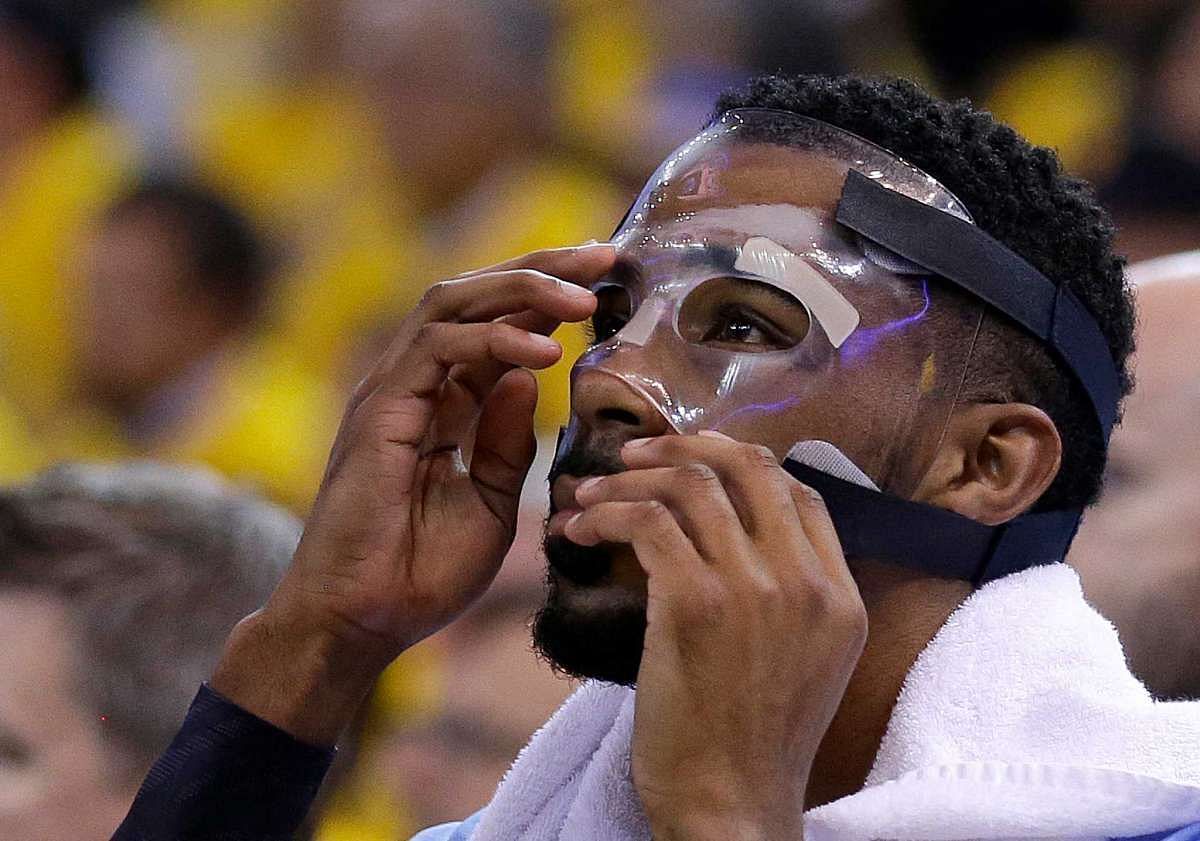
(626, 271)
(720, 256)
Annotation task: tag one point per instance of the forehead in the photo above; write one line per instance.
(721, 194)
(728, 173)
(754, 168)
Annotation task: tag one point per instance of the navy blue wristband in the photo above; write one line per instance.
(227, 775)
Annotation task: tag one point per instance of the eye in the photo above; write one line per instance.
(735, 324)
(612, 313)
(743, 315)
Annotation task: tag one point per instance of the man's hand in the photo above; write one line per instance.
(419, 502)
(754, 628)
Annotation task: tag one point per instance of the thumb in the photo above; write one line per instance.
(505, 444)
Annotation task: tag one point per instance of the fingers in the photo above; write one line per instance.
(487, 296)
(692, 493)
(756, 484)
(524, 297)
(440, 346)
(581, 264)
(818, 527)
(661, 546)
(776, 510)
(505, 444)
(479, 378)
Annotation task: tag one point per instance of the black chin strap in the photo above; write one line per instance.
(933, 540)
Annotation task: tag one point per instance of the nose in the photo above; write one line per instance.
(606, 400)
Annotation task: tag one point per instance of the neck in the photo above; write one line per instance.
(905, 611)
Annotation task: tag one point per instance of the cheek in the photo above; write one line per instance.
(63, 795)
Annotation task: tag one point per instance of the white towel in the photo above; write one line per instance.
(1019, 720)
(573, 779)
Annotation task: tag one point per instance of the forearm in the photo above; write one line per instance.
(302, 681)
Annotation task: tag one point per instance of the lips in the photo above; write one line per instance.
(562, 502)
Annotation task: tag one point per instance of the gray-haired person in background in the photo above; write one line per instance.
(118, 587)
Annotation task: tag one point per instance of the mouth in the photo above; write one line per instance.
(562, 503)
(574, 564)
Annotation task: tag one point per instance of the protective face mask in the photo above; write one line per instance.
(738, 304)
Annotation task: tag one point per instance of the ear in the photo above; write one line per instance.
(994, 462)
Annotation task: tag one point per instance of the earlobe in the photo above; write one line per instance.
(994, 462)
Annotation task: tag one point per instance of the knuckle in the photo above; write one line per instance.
(534, 258)
(495, 333)
(849, 618)
(650, 514)
(817, 596)
(428, 334)
(697, 477)
(759, 457)
(808, 499)
(767, 590)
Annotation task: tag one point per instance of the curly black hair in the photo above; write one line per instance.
(1018, 193)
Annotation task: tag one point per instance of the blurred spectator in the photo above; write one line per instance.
(41, 70)
(1138, 551)
(1155, 193)
(494, 694)
(174, 276)
(118, 586)
(462, 95)
(174, 280)
(59, 162)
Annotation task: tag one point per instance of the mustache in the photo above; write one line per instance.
(582, 565)
(582, 460)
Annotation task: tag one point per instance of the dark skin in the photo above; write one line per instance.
(744, 577)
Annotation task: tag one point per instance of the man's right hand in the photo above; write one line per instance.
(419, 502)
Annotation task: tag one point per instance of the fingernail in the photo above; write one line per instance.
(712, 433)
(638, 442)
(573, 290)
(543, 342)
(588, 483)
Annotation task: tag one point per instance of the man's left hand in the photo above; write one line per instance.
(754, 626)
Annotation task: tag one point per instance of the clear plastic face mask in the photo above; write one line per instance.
(738, 304)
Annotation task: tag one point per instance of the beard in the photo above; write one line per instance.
(604, 643)
(574, 633)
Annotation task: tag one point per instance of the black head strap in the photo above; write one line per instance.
(935, 541)
(965, 255)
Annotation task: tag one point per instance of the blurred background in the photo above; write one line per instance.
(212, 212)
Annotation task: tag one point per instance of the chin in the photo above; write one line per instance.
(592, 625)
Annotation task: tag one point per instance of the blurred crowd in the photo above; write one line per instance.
(212, 212)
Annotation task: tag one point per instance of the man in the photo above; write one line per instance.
(770, 288)
(117, 584)
(1148, 516)
(171, 359)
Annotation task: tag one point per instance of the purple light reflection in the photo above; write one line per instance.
(863, 340)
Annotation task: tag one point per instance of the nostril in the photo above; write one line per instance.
(621, 416)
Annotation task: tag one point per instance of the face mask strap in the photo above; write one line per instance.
(966, 256)
(934, 540)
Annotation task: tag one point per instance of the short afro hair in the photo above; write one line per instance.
(1018, 193)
